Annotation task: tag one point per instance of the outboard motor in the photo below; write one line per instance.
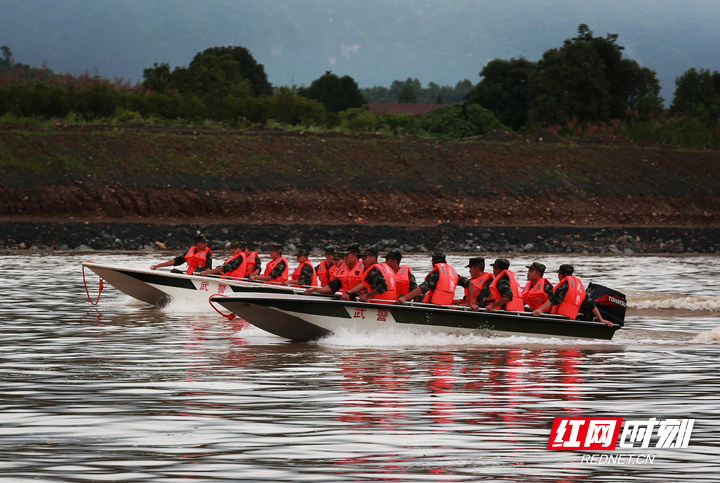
(611, 303)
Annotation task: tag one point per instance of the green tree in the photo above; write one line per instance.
(503, 90)
(7, 56)
(407, 95)
(358, 119)
(458, 121)
(335, 93)
(246, 65)
(157, 78)
(697, 93)
(587, 78)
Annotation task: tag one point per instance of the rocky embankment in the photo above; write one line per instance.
(445, 237)
(138, 187)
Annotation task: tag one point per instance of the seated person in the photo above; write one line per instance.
(233, 267)
(198, 258)
(304, 274)
(570, 297)
(477, 287)
(277, 268)
(438, 286)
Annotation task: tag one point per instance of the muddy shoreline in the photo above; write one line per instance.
(30, 235)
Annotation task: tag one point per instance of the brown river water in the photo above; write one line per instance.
(129, 392)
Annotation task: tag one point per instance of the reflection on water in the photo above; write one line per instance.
(127, 392)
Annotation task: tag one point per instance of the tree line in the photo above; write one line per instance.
(584, 86)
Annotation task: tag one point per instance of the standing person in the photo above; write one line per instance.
(326, 268)
(347, 276)
(478, 285)
(197, 257)
(537, 290)
(234, 265)
(304, 274)
(254, 265)
(504, 289)
(404, 278)
(277, 268)
(570, 297)
(378, 281)
(438, 286)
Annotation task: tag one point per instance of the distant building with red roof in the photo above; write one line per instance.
(417, 110)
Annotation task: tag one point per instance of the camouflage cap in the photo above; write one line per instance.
(200, 238)
(238, 244)
(566, 269)
(394, 254)
(331, 249)
(353, 249)
(372, 252)
(536, 266)
(438, 257)
(302, 252)
(501, 263)
(476, 262)
(276, 246)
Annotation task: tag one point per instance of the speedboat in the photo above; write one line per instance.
(159, 287)
(310, 317)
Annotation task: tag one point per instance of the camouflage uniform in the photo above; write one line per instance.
(586, 307)
(376, 280)
(465, 282)
(233, 264)
(278, 270)
(179, 260)
(305, 277)
(430, 281)
(503, 286)
(413, 282)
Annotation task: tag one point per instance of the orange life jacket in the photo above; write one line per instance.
(271, 264)
(574, 297)
(195, 259)
(444, 291)
(349, 277)
(389, 296)
(517, 302)
(402, 280)
(478, 284)
(325, 274)
(239, 272)
(296, 273)
(250, 259)
(535, 296)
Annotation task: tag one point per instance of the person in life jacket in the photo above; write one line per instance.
(234, 265)
(404, 278)
(377, 282)
(326, 269)
(504, 289)
(347, 275)
(198, 258)
(569, 297)
(254, 265)
(478, 285)
(438, 286)
(277, 268)
(537, 289)
(305, 273)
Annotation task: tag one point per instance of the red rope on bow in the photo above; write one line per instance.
(229, 316)
(100, 288)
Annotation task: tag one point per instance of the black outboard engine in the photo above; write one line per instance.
(611, 303)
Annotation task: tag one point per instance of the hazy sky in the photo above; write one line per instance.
(373, 41)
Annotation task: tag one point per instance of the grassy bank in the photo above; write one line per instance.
(260, 175)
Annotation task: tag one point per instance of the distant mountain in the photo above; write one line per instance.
(373, 41)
